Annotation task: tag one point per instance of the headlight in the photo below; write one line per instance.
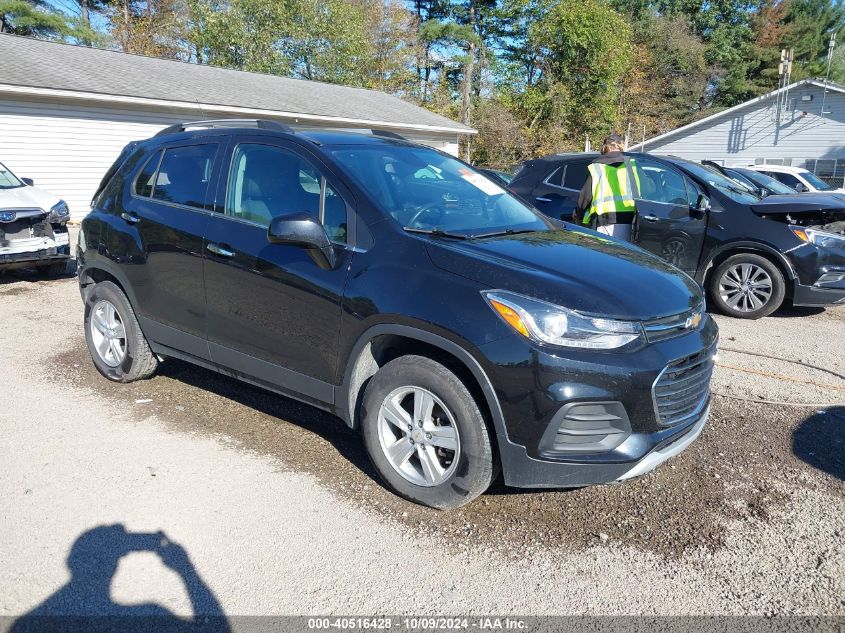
(555, 325)
(60, 210)
(819, 238)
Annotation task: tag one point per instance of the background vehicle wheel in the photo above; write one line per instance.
(117, 346)
(425, 433)
(747, 286)
(53, 270)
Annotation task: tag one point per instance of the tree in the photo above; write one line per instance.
(34, 18)
(586, 49)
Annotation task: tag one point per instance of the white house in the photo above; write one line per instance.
(802, 125)
(67, 111)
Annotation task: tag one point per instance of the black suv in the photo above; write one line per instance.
(397, 287)
(749, 252)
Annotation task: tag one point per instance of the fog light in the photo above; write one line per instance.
(586, 427)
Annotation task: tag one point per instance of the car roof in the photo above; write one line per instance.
(784, 169)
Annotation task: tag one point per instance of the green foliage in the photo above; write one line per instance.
(587, 49)
(35, 19)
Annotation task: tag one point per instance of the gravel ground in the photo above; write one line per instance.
(281, 513)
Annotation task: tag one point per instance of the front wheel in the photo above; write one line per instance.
(425, 433)
(115, 340)
(747, 286)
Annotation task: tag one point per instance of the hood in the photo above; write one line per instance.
(27, 198)
(799, 203)
(576, 269)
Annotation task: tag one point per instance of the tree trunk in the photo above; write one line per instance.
(83, 5)
(466, 87)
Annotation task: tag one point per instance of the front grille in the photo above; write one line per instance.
(683, 389)
(19, 229)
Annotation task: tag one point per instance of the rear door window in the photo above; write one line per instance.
(575, 176)
(184, 174)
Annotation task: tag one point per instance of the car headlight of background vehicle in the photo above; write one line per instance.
(555, 325)
(819, 238)
(59, 211)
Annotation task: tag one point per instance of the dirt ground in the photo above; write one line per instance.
(261, 490)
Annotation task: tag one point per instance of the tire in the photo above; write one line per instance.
(460, 473)
(747, 286)
(130, 358)
(52, 271)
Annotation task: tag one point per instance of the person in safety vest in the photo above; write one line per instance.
(606, 202)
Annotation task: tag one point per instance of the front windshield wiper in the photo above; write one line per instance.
(481, 236)
(437, 233)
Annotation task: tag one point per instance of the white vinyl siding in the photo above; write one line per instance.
(752, 134)
(66, 146)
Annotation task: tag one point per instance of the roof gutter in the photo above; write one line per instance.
(204, 108)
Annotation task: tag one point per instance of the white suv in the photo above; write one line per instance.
(798, 178)
(33, 227)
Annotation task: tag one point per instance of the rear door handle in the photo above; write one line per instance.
(650, 218)
(217, 249)
(131, 218)
(542, 199)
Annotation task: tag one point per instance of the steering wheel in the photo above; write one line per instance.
(430, 208)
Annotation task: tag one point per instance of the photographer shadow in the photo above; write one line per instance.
(85, 604)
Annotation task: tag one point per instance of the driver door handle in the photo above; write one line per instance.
(542, 199)
(130, 218)
(650, 218)
(219, 250)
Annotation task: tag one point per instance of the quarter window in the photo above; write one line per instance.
(268, 182)
(184, 174)
(146, 179)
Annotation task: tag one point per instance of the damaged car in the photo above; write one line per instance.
(751, 253)
(33, 227)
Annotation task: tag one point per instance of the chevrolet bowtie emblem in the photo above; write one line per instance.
(692, 321)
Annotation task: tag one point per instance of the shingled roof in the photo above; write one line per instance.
(54, 66)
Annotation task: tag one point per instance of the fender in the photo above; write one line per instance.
(345, 408)
(108, 266)
(744, 245)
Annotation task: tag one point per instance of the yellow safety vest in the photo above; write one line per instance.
(612, 193)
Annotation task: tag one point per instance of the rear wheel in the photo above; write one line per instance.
(425, 433)
(115, 340)
(747, 286)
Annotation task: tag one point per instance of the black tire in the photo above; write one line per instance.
(139, 361)
(54, 270)
(774, 301)
(474, 470)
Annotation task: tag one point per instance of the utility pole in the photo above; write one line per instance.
(785, 77)
(830, 47)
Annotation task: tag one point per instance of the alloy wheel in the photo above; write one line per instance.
(745, 287)
(108, 333)
(418, 435)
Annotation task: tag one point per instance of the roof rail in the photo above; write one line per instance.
(387, 134)
(264, 124)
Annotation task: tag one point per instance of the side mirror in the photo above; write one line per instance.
(801, 188)
(702, 205)
(303, 230)
(28, 181)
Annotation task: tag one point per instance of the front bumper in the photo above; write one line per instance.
(828, 289)
(34, 251)
(535, 393)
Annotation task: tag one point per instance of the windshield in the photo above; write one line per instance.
(425, 190)
(7, 179)
(814, 180)
(716, 179)
(773, 185)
